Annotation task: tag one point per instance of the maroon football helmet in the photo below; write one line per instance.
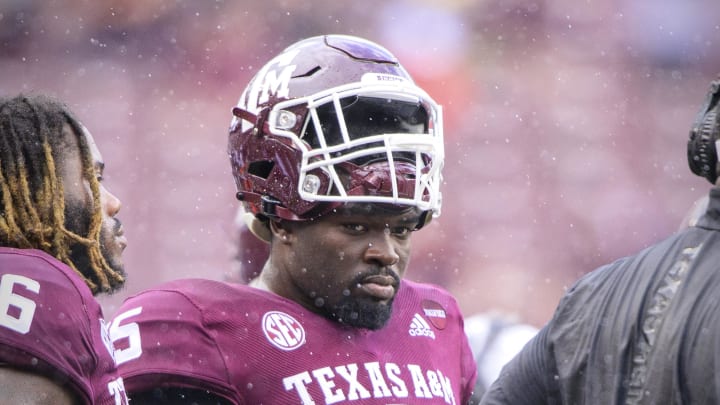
(335, 119)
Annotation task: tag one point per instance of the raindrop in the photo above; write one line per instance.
(319, 302)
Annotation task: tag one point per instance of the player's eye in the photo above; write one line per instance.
(99, 174)
(356, 228)
(401, 231)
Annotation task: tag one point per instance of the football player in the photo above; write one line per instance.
(494, 337)
(337, 155)
(60, 244)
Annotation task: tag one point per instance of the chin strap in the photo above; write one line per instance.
(269, 207)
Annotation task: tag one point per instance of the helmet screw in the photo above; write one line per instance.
(285, 119)
(311, 185)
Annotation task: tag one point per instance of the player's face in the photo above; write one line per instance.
(348, 264)
(79, 202)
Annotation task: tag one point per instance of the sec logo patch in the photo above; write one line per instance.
(283, 331)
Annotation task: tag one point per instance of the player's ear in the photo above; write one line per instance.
(280, 230)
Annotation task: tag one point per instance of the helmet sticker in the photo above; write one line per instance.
(435, 313)
(372, 77)
(272, 80)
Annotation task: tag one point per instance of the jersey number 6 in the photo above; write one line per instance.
(23, 307)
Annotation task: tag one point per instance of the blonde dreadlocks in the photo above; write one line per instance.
(32, 202)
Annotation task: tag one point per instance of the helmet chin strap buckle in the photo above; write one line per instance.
(268, 206)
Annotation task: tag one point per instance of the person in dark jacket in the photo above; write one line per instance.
(642, 330)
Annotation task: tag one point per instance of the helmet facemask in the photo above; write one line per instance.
(372, 143)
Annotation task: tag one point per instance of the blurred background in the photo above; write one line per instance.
(566, 123)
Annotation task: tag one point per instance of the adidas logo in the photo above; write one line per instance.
(420, 327)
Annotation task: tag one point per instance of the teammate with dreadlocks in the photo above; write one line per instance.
(60, 244)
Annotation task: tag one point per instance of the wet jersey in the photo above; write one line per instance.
(642, 330)
(51, 323)
(255, 347)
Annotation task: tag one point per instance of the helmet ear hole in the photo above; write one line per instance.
(261, 168)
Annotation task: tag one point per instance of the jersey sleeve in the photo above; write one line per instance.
(160, 340)
(51, 324)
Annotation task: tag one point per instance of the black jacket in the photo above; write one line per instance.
(642, 330)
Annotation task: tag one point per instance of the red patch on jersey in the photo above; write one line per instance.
(283, 331)
(435, 313)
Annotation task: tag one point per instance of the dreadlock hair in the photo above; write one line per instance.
(32, 202)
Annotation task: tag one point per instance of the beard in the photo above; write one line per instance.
(80, 256)
(110, 250)
(77, 220)
(361, 312)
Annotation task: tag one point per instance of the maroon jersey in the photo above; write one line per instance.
(50, 323)
(255, 347)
